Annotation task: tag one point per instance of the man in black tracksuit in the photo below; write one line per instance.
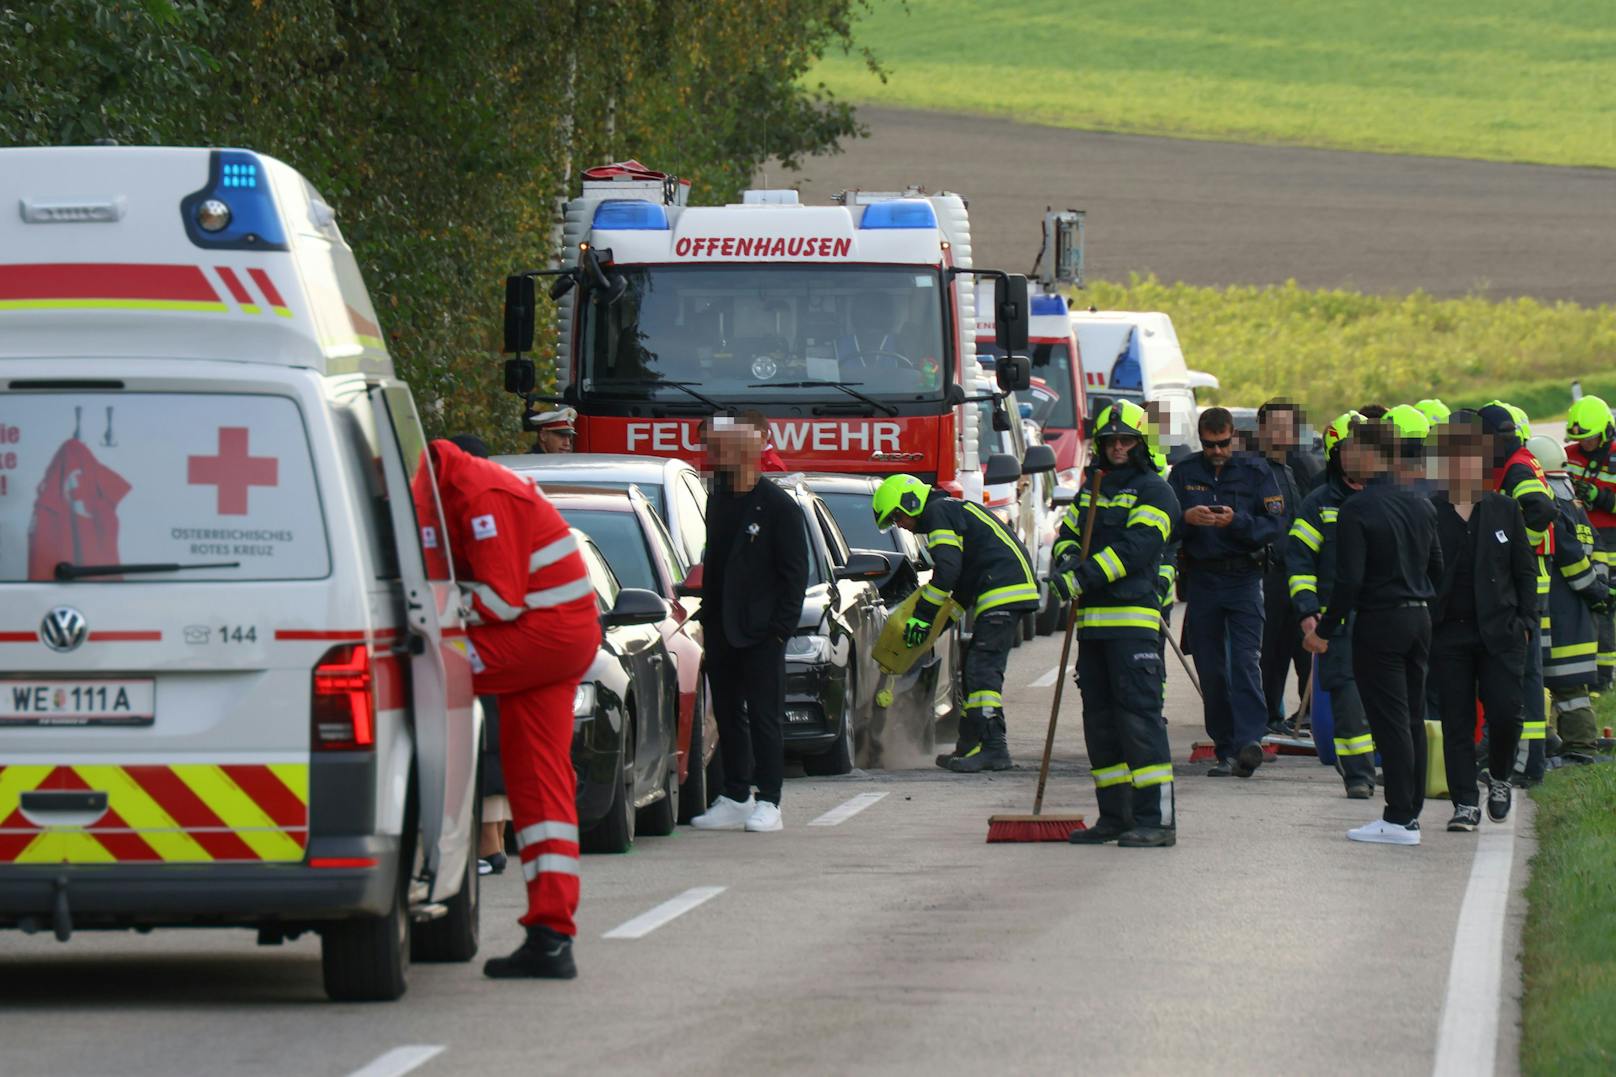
(1119, 666)
(1388, 564)
(981, 564)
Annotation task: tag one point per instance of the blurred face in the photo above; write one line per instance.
(1589, 445)
(1277, 432)
(556, 440)
(1117, 449)
(1218, 445)
(1461, 472)
(1358, 460)
(734, 447)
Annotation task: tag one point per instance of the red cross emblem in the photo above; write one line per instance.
(232, 471)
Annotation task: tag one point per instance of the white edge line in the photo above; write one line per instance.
(399, 1061)
(845, 811)
(648, 921)
(1047, 680)
(1467, 1039)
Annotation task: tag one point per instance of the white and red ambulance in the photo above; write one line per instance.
(850, 326)
(235, 689)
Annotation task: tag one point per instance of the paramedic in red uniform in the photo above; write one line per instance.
(535, 627)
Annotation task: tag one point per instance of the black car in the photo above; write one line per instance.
(625, 724)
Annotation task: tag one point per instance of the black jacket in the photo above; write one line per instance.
(1387, 553)
(1504, 569)
(762, 581)
(976, 560)
(1136, 517)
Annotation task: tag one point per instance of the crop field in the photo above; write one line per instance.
(1508, 80)
(1331, 350)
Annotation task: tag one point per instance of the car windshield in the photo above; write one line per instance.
(1055, 401)
(621, 542)
(857, 521)
(741, 331)
(654, 494)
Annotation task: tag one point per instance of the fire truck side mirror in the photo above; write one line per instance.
(1011, 310)
(519, 376)
(520, 312)
(1014, 373)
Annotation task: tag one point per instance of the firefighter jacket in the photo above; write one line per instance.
(1136, 516)
(1522, 478)
(975, 559)
(1310, 548)
(1570, 635)
(513, 553)
(1598, 471)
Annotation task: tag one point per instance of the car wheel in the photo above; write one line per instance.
(615, 831)
(838, 759)
(693, 791)
(367, 958)
(661, 818)
(454, 935)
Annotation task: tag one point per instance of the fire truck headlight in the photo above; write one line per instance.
(213, 215)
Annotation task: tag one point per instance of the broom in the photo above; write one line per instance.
(1038, 826)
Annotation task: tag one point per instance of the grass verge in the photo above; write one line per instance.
(1508, 80)
(1331, 349)
(1570, 938)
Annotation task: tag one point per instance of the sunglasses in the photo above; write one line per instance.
(1224, 444)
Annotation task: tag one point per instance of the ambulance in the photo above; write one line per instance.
(235, 686)
(1135, 355)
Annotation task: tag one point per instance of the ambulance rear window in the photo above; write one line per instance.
(220, 484)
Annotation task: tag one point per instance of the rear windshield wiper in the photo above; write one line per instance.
(846, 387)
(66, 570)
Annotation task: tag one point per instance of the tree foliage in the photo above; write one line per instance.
(442, 130)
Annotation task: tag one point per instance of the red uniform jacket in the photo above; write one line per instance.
(75, 513)
(1598, 469)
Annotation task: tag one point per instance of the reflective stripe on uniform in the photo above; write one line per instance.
(1004, 596)
(1607, 659)
(1534, 730)
(1328, 515)
(1576, 568)
(1530, 486)
(1573, 650)
(1301, 583)
(1110, 564)
(558, 596)
(945, 537)
(1151, 516)
(1156, 774)
(933, 595)
(979, 700)
(1587, 667)
(1307, 535)
(1566, 706)
(546, 831)
(1360, 745)
(497, 607)
(1121, 617)
(549, 863)
(545, 556)
(1106, 777)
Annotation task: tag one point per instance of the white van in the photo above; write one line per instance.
(234, 688)
(1135, 355)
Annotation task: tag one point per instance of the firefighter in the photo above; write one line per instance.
(1436, 413)
(1310, 561)
(1579, 600)
(1517, 473)
(1590, 433)
(535, 629)
(985, 568)
(556, 432)
(1118, 664)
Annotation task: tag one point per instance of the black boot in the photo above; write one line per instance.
(546, 955)
(1158, 806)
(1107, 829)
(1149, 837)
(993, 753)
(969, 739)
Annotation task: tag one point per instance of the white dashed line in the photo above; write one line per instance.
(399, 1061)
(647, 922)
(843, 812)
(1467, 1041)
(1047, 680)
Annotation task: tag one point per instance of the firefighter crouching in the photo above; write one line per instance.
(1591, 436)
(535, 629)
(985, 568)
(1119, 622)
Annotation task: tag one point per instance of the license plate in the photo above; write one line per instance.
(88, 702)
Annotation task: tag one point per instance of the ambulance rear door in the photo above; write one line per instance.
(435, 642)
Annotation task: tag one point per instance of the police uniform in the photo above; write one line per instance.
(978, 562)
(1223, 569)
(560, 421)
(1310, 556)
(1119, 668)
(1570, 634)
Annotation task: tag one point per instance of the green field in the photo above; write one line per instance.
(1523, 80)
(1331, 350)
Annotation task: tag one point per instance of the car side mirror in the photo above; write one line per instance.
(1065, 495)
(690, 586)
(1001, 468)
(636, 606)
(868, 565)
(1039, 460)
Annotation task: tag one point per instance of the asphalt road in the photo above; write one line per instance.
(1220, 213)
(894, 942)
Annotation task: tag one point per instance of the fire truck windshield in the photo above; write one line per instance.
(745, 331)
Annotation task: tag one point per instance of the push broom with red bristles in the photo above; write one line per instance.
(1038, 826)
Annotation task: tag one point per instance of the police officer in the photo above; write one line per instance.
(1118, 665)
(1233, 510)
(1310, 553)
(986, 569)
(1590, 434)
(555, 429)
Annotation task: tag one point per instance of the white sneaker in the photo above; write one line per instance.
(725, 814)
(1380, 832)
(765, 819)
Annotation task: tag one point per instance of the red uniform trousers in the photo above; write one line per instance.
(534, 664)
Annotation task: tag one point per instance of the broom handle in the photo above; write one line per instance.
(1066, 646)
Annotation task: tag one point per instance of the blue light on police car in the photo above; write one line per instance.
(630, 215)
(902, 214)
(1048, 304)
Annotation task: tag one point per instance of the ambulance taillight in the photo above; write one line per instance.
(344, 704)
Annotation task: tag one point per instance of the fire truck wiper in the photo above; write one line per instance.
(652, 383)
(66, 570)
(846, 387)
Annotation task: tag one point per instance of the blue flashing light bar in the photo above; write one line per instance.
(630, 215)
(238, 179)
(1048, 304)
(902, 214)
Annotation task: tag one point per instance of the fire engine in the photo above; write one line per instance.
(851, 327)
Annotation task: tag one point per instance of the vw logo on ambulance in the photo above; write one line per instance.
(63, 629)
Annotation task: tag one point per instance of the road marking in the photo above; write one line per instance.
(399, 1061)
(1047, 680)
(647, 922)
(1467, 1041)
(843, 812)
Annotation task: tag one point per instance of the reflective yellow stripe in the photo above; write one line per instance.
(1307, 534)
(1106, 777)
(1158, 774)
(16, 780)
(1360, 745)
(65, 847)
(1303, 583)
(933, 595)
(1005, 596)
(1574, 650)
(238, 811)
(136, 807)
(1576, 568)
(1110, 564)
(1534, 730)
(113, 304)
(1329, 515)
(1529, 486)
(295, 776)
(1151, 516)
(1122, 617)
(977, 700)
(944, 538)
